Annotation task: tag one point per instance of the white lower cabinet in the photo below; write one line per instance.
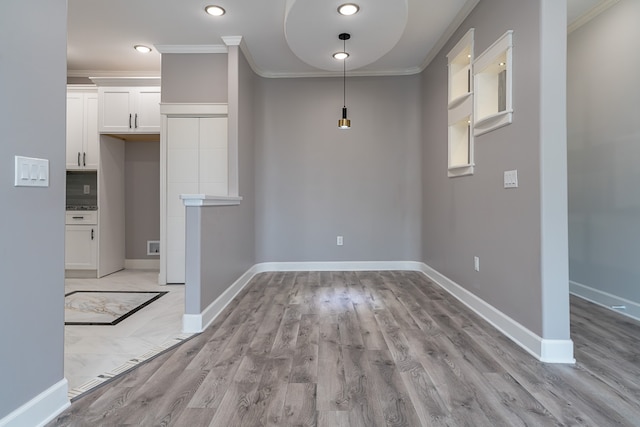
(81, 247)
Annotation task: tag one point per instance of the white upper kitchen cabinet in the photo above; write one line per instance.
(83, 151)
(128, 105)
(127, 109)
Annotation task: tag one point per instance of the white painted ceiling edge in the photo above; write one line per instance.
(580, 12)
(333, 68)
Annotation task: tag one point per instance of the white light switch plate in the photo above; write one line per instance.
(31, 172)
(511, 179)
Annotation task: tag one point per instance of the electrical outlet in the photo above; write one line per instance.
(339, 241)
(476, 263)
(86, 189)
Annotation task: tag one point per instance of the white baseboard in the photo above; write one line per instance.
(41, 409)
(142, 264)
(196, 323)
(605, 299)
(545, 350)
(338, 266)
(551, 351)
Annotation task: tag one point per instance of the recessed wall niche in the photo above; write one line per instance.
(492, 82)
(460, 107)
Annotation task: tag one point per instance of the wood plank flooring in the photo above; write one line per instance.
(371, 349)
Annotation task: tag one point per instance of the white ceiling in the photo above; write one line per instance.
(283, 37)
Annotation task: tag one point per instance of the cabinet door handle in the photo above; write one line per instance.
(129, 121)
(77, 217)
(78, 158)
(92, 234)
(84, 159)
(136, 121)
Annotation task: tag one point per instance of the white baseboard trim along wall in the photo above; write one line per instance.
(545, 350)
(612, 302)
(196, 323)
(46, 406)
(41, 409)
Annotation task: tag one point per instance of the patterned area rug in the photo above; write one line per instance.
(104, 307)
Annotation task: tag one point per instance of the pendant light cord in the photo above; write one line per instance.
(344, 74)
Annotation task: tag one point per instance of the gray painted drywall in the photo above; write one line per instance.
(188, 77)
(220, 240)
(604, 152)
(474, 215)
(228, 237)
(32, 123)
(315, 181)
(142, 197)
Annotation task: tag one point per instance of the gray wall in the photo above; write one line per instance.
(142, 197)
(228, 233)
(474, 215)
(604, 152)
(315, 182)
(220, 240)
(32, 123)
(194, 77)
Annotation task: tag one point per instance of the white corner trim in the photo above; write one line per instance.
(551, 351)
(605, 299)
(205, 200)
(41, 409)
(556, 351)
(232, 40)
(196, 323)
(142, 264)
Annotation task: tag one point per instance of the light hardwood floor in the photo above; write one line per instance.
(370, 349)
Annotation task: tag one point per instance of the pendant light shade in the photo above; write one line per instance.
(344, 122)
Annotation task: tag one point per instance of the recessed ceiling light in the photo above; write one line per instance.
(348, 9)
(341, 55)
(215, 10)
(142, 49)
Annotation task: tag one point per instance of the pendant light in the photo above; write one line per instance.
(344, 123)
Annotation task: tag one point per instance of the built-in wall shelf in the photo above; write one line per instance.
(460, 107)
(492, 86)
(492, 122)
(459, 100)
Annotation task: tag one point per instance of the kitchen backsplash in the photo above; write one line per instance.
(82, 189)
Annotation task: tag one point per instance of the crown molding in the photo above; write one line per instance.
(590, 14)
(187, 48)
(448, 33)
(126, 81)
(232, 40)
(104, 73)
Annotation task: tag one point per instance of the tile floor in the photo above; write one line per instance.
(93, 354)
